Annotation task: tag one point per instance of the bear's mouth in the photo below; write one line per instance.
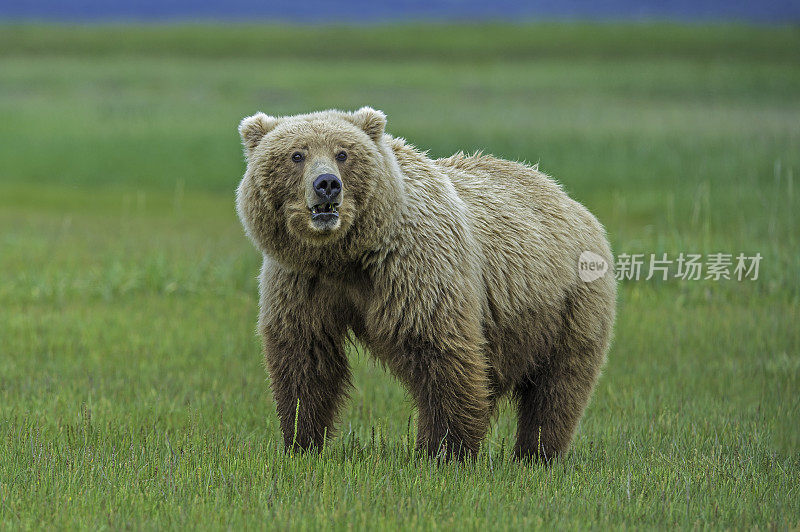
(325, 216)
(325, 208)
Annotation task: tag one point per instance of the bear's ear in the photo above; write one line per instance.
(253, 128)
(373, 122)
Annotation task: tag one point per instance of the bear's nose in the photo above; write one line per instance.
(327, 187)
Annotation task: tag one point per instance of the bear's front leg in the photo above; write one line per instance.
(450, 386)
(304, 334)
(308, 379)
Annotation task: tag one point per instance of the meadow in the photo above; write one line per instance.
(132, 388)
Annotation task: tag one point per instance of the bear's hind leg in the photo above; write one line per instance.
(550, 402)
(551, 399)
(453, 400)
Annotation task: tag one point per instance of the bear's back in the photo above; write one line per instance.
(530, 231)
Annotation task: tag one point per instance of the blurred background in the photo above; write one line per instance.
(128, 291)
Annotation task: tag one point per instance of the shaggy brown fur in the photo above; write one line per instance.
(459, 274)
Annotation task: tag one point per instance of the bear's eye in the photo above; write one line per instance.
(297, 157)
(341, 156)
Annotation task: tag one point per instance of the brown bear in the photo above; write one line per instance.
(461, 275)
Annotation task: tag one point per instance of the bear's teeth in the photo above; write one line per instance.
(325, 208)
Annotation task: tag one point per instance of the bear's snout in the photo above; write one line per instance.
(327, 187)
(324, 200)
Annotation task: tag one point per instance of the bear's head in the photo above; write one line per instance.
(319, 187)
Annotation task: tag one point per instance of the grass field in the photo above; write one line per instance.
(132, 391)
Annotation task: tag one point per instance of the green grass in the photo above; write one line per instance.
(132, 392)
